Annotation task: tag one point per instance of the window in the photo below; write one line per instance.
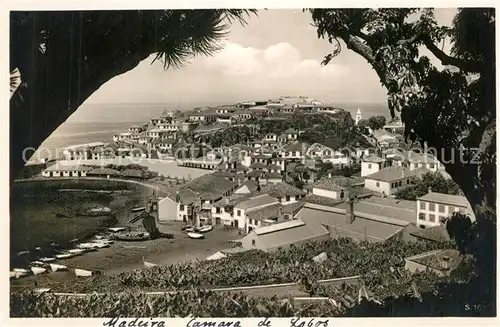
(341, 194)
(238, 213)
(421, 216)
(432, 218)
(369, 166)
(287, 198)
(461, 210)
(181, 208)
(217, 210)
(408, 181)
(451, 209)
(279, 199)
(400, 183)
(378, 184)
(415, 165)
(432, 206)
(421, 226)
(441, 208)
(422, 205)
(253, 242)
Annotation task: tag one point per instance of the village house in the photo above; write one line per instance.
(279, 162)
(337, 187)
(144, 138)
(394, 127)
(122, 136)
(64, 170)
(366, 220)
(327, 109)
(274, 178)
(291, 134)
(372, 164)
(103, 172)
(83, 151)
(243, 209)
(441, 262)
(336, 158)
(294, 150)
(287, 110)
(200, 163)
(286, 193)
(390, 180)
(203, 117)
(283, 235)
(134, 129)
(156, 121)
(433, 207)
(163, 144)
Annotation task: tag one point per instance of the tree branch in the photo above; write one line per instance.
(468, 66)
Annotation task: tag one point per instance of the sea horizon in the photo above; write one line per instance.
(94, 122)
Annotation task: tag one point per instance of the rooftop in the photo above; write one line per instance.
(210, 184)
(401, 210)
(284, 189)
(374, 159)
(287, 233)
(391, 174)
(103, 171)
(322, 200)
(337, 183)
(263, 213)
(436, 233)
(361, 229)
(436, 197)
(59, 166)
(258, 201)
(434, 259)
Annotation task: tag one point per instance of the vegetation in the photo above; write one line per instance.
(452, 110)
(346, 258)
(435, 181)
(64, 57)
(376, 122)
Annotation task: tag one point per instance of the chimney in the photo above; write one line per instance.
(402, 173)
(429, 190)
(445, 263)
(349, 213)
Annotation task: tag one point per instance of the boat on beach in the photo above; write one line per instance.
(38, 263)
(56, 267)
(65, 255)
(17, 274)
(148, 264)
(195, 235)
(38, 270)
(116, 229)
(138, 209)
(132, 236)
(76, 251)
(205, 229)
(83, 272)
(47, 259)
(21, 270)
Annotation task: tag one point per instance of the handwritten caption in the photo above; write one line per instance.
(266, 322)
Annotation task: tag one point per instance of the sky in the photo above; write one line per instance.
(277, 53)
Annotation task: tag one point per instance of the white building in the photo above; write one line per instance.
(358, 117)
(372, 164)
(243, 209)
(64, 170)
(390, 180)
(433, 207)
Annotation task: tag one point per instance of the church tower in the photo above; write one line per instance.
(358, 117)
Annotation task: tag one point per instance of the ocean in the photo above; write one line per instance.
(98, 122)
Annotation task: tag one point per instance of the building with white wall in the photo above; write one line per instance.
(372, 164)
(434, 207)
(389, 180)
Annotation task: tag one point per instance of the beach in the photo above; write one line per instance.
(167, 168)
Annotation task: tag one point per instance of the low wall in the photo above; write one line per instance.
(281, 290)
(87, 183)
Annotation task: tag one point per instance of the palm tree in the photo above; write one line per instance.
(63, 57)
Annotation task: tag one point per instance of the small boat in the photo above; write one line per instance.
(22, 253)
(205, 229)
(38, 270)
(47, 259)
(17, 274)
(132, 236)
(38, 263)
(83, 273)
(87, 246)
(189, 229)
(195, 235)
(138, 209)
(21, 270)
(76, 251)
(56, 267)
(116, 229)
(148, 264)
(64, 255)
(100, 245)
(104, 241)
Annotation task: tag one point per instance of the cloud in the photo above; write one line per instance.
(277, 61)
